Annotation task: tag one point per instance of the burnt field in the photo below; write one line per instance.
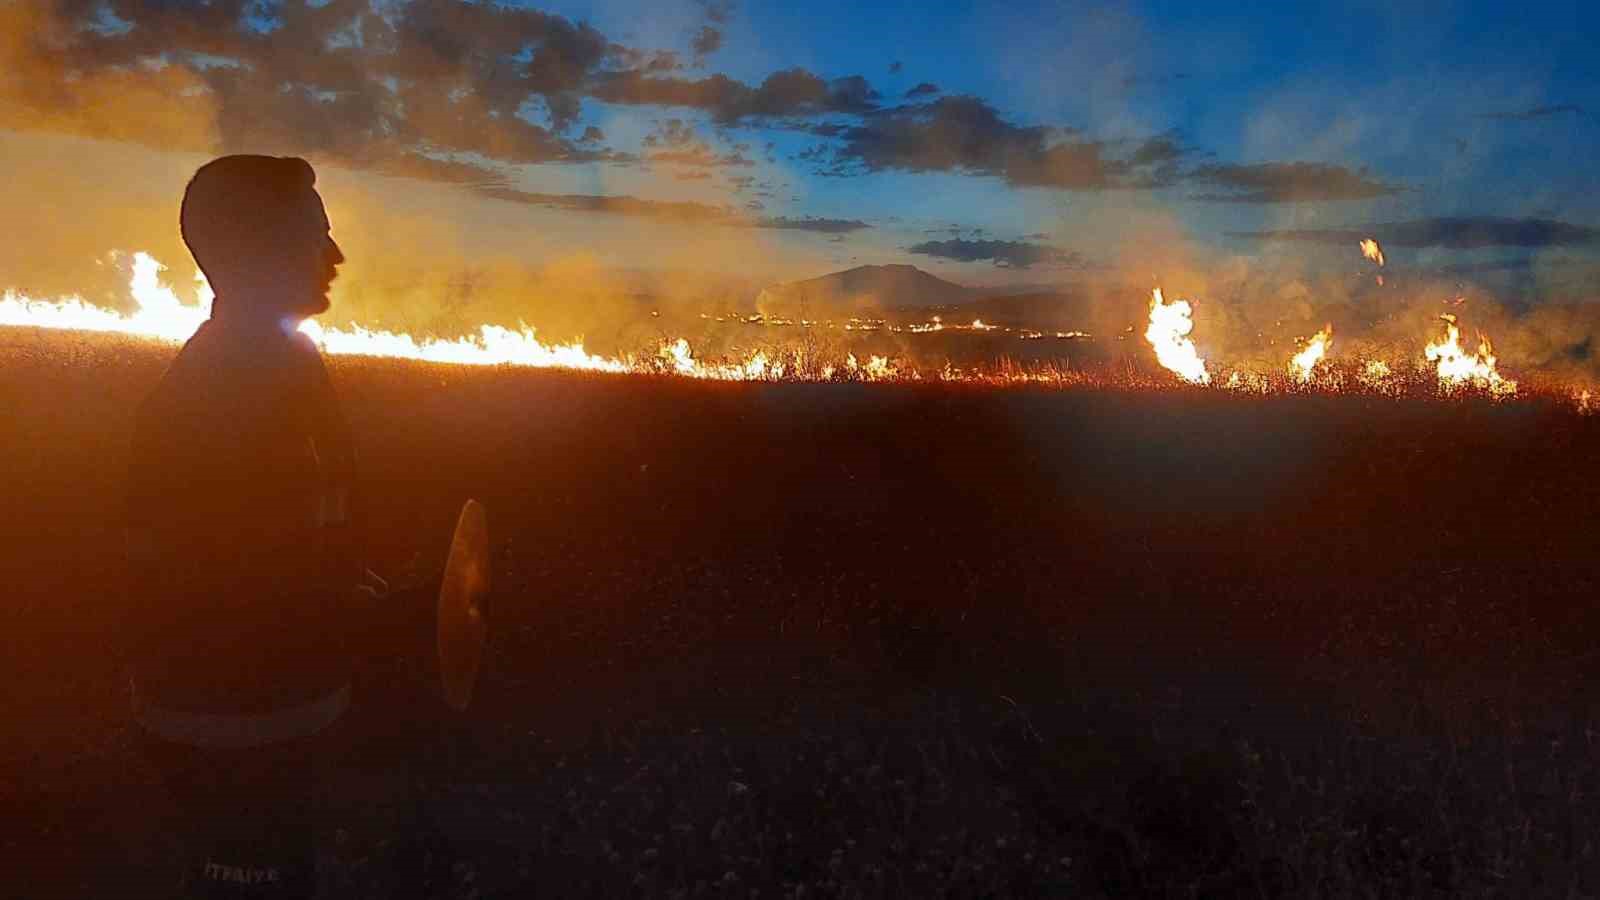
(890, 640)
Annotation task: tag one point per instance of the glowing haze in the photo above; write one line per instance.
(584, 167)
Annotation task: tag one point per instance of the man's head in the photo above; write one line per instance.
(256, 227)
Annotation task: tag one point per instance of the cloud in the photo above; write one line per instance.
(340, 81)
(702, 156)
(708, 39)
(458, 92)
(1449, 233)
(1157, 150)
(675, 141)
(1297, 182)
(427, 168)
(1537, 112)
(824, 226)
(1008, 254)
(664, 210)
(674, 211)
(719, 12)
(964, 134)
(791, 92)
(705, 42)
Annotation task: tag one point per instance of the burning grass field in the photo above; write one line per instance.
(863, 640)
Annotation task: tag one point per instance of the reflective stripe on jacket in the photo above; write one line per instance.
(220, 731)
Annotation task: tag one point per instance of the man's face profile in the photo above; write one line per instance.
(258, 229)
(312, 257)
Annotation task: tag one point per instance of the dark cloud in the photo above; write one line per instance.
(342, 81)
(418, 86)
(823, 129)
(677, 142)
(708, 39)
(1449, 233)
(427, 168)
(705, 42)
(671, 133)
(1522, 264)
(1008, 254)
(1537, 112)
(484, 45)
(1298, 182)
(719, 12)
(824, 226)
(1491, 267)
(964, 134)
(664, 210)
(650, 62)
(681, 212)
(1156, 151)
(701, 156)
(791, 92)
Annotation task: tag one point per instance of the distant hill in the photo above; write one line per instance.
(863, 289)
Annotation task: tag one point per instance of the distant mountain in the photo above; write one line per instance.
(864, 289)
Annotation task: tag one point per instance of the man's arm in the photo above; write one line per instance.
(142, 534)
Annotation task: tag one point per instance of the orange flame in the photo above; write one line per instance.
(162, 315)
(1375, 375)
(1304, 363)
(1170, 324)
(1457, 368)
(1371, 250)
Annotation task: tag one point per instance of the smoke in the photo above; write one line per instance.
(490, 164)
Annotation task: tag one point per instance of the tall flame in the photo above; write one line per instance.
(1170, 324)
(1457, 368)
(162, 315)
(1304, 363)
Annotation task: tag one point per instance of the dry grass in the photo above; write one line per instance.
(870, 641)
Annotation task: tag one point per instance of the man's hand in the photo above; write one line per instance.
(367, 600)
(372, 587)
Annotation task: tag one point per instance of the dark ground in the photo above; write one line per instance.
(888, 641)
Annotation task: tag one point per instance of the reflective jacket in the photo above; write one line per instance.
(240, 525)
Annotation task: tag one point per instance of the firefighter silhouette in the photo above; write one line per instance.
(243, 540)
